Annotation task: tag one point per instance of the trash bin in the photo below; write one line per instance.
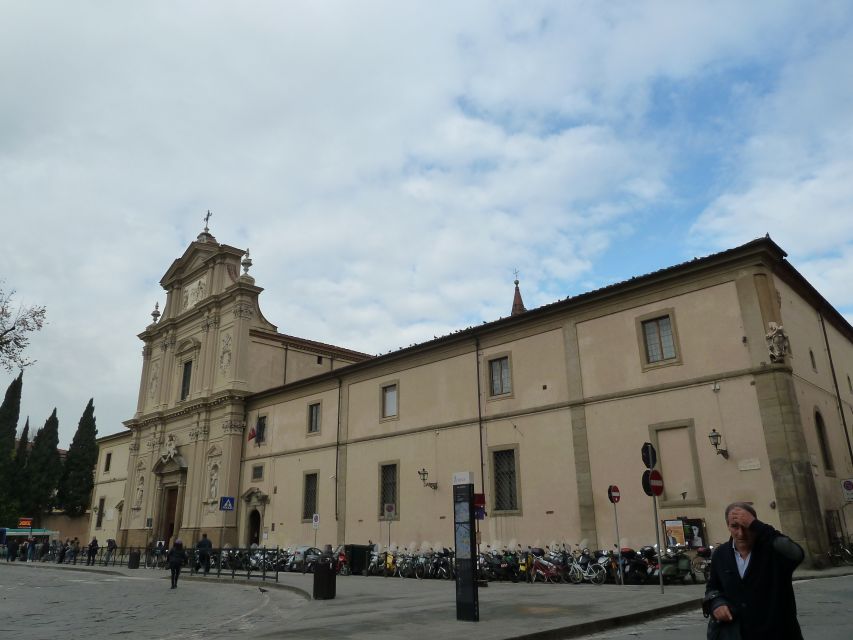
(324, 580)
(133, 560)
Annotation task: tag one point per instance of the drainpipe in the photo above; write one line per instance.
(338, 446)
(480, 415)
(837, 392)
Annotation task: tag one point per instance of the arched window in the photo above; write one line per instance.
(820, 428)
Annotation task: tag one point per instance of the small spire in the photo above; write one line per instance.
(517, 302)
(155, 315)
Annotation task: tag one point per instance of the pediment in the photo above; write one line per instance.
(255, 496)
(194, 257)
(170, 465)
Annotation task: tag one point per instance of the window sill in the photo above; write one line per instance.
(511, 512)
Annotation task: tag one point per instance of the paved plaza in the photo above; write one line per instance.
(42, 602)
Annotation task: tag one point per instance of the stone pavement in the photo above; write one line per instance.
(376, 607)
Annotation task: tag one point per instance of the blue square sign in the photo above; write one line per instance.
(226, 503)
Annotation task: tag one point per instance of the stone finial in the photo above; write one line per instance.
(246, 262)
(155, 315)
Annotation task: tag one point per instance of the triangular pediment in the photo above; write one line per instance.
(169, 465)
(194, 257)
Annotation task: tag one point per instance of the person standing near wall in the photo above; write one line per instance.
(91, 552)
(750, 583)
(203, 548)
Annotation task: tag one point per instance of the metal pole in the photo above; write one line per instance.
(657, 542)
(618, 546)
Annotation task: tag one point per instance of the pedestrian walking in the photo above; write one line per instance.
(111, 548)
(203, 547)
(176, 559)
(63, 551)
(749, 594)
(11, 550)
(91, 552)
(73, 550)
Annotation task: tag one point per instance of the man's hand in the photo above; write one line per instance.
(741, 516)
(722, 613)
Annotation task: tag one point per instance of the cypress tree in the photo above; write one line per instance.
(22, 454)
(9, 487)
(44, 467)
(78, 474)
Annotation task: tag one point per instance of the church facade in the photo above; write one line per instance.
(733, 366)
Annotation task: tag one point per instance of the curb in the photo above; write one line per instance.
(596, 626)
(81, 569)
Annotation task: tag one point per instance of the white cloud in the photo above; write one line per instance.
(387, 163)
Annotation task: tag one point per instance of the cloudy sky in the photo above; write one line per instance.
(390, 163)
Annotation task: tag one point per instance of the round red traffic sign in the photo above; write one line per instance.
(848, 485)
(613, 493)
(656, 482)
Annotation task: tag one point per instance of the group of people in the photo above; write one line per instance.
(29, 550)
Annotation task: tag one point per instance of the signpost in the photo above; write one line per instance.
(847, 489)
(467, 597)
(389, 509)
(315, 522)
(614, 495)
(652, 482)
(226, 503)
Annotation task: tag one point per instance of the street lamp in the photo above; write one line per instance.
(715, 437)
(424, 474)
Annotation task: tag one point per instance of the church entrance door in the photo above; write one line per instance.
(254, 527)
(170, 506)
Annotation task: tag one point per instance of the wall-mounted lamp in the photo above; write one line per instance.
(424, 474)
(715, 439)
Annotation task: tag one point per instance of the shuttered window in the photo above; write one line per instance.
(499, 377)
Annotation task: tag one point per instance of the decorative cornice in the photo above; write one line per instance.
(244, 310)
(232, 427)
(199, 431)
(209, 322)
(161, 417)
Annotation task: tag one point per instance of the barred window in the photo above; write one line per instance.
(185, 380)
(506, 489)
(389, 401)
(499, 376)
(309, 502)
(314, 418)
(100, 519)
(388, 487)
(258, 472)
(660, 342)
(261, 430)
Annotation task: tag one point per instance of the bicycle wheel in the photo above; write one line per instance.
(599, 575)
(846, 555)
(575, 574)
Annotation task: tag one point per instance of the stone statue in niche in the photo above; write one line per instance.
(193, 294)
(140, 492)
(214, 482)
(225, 355)
(171, 447)
(777, 342)
(155, 377)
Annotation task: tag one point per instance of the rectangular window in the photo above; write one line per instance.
(499, 380)
(185, 379)
(319, 359)
(309, 501)
(389, 401)
(506, 488)
(659, 339)
(100, 518)
(107, 462)
(314, 418)
(258, 472)
(387, 487)
(261, 430)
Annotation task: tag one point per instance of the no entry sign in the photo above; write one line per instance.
(613, 493)
(656, 482)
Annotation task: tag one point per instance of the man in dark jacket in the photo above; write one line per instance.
(750, 582)
(203, 547)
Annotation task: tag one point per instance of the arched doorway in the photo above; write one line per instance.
(254, 527)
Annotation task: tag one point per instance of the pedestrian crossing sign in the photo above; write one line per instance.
(226, 503)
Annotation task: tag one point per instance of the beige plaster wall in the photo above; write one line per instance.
(710, 331)
(618, 428)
